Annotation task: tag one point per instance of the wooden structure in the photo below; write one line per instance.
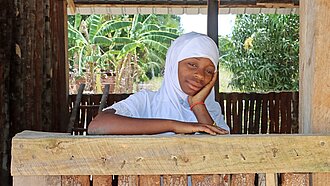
(33, 71)
(245, 113)
(41, 158)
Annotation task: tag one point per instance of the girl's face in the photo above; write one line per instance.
(194, 74)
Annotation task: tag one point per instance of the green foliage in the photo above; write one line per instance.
(263, 53)
(132, 46)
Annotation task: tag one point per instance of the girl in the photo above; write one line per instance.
(185, 103)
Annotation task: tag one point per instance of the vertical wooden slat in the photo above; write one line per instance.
(38, 63)
(257, 114)
(276, 113)
(264, 114)
(100, 180)
(271, 179)
(220, 99)
(74, 113)
(104, 98)
(7, 26)
(75, 180)
(59, 64)
(229, 111)
(283, 112)
(289, 179)
(175, 180)
(242, 179)
(89, 111)
(206, 180)
(234, 114)
(295, 112)
(128, 180)
(272, 112)
(240, 112)
(251, 114)
(289, 113)
(246, 114)
(149, 180)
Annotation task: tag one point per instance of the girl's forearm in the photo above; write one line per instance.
(109, 123)
(202, 114)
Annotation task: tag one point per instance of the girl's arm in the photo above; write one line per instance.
(107, 122)
(200, 110)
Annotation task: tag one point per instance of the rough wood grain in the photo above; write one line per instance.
(75, 180)
(36, 180)
(206, 180)
(314, 84)
(149, 180)
(41, 153)
(175, 180)
(101, 180)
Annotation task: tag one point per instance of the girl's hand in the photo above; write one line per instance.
(186, 128)
(204, 92)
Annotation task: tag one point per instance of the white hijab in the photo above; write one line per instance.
(170, 102)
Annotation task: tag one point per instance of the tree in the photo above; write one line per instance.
(131, 45)
(263, 52)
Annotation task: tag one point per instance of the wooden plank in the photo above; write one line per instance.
(75, 180)
(272, 112)
(246, 114)
(205, 179)
(289, 179)
(129, 180)
(252, 114)
(275, 3)
(235, 114)
(277, 113)
(229, 112)
(283, 112)
(242, 179)
(101, 180)
(264, 114)
(240, 112)
(257, 115)
(75, 109)
(149, 180)
(42, 153)
(314, 88)
(175, 180)
(36, 180)
(271, 179)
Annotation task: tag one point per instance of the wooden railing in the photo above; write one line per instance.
(245, 113)
(41, 158)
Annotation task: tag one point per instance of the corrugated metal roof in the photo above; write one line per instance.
(179, 7)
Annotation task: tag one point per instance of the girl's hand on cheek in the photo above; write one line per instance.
(204, 92)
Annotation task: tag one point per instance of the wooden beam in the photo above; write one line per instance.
(275, 3)
(314, 87)
(42, 153)
(71, 6)
(115, 5)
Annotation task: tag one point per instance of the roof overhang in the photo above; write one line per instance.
(179, 7)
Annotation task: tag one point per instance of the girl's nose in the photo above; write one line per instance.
(199, 74)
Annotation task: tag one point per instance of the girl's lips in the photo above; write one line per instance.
(193, 87)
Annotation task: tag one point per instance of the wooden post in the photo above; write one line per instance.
(212, 29)
(314, 104)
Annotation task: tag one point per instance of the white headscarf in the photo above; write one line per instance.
(170, 102)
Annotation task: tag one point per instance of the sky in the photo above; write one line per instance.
(198, 23)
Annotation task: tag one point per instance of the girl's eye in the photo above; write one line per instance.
(210, 72)
(193, 65)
